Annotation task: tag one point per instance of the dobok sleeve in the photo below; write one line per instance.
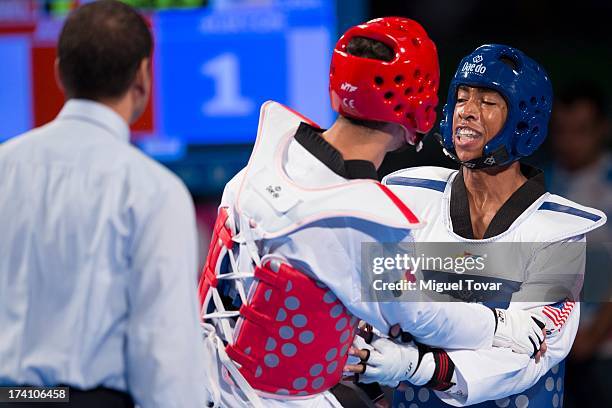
(498, 372)
(440, 324)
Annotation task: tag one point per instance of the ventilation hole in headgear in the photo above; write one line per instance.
(399, 79)
(533, 100)
(522, 127)
(523, 106)
(411, 120)
(388, 95)
(427, 108)
(421, 88)
(408, 91)
(398, 108)
(543, 99)
(535, 130)
(538, 112)
(416, 42)
(417, 73)
(378, 80)
(509, 61)
(427, 76)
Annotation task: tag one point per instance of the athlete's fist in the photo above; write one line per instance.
(388, 362)
(521, 331)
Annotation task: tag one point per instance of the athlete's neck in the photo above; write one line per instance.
(360, 143)
(488, 190)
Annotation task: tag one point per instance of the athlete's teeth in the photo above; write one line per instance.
(467, 133)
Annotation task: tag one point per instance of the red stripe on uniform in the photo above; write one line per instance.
(399, 204)
(443, 367)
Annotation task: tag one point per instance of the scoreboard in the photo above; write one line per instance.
(215, 68)
(212, 68)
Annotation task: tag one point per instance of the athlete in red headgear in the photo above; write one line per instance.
(401, 89)
(281, 285)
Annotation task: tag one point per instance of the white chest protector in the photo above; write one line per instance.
(278, 206)
(550, 219)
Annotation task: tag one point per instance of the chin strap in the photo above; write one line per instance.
(419, 146)
(417, 143)
(498, 158)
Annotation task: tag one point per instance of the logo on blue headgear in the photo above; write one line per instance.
(527, 90)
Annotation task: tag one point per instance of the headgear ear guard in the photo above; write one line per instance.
(527, 90)
(403, 90)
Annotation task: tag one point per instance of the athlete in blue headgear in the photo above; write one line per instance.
(498, 108)
(515, 95)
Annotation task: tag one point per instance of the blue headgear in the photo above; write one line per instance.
(527, 90)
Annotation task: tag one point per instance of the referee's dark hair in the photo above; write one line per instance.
(100, 49)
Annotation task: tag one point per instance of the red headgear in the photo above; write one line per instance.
(403, 90)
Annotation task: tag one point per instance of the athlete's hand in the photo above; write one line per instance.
(388, 363)
(522, 331)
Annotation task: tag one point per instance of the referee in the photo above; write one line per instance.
(97, 241)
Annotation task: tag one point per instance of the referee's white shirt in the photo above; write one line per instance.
(97, 264)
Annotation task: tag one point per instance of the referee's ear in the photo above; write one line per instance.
(58, 78)
(140, 89)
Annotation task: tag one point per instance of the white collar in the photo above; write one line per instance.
(98, 114)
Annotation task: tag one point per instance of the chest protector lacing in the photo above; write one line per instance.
(292, 335)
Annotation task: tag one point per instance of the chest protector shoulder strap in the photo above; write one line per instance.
(553, 218)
